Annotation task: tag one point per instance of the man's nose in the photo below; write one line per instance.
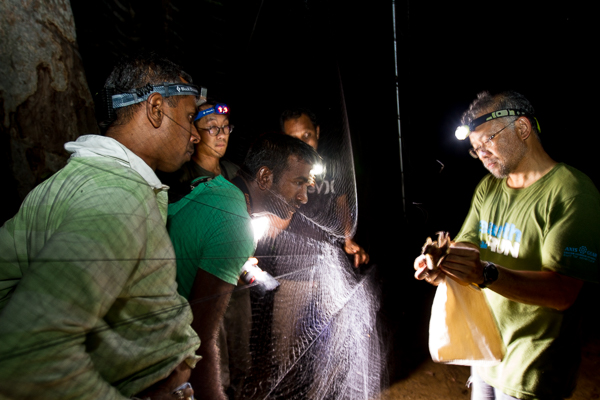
(302, 195)
(483, 153)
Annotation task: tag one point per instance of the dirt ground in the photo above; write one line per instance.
(431, 381)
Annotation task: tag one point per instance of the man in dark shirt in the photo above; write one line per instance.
(302, 124)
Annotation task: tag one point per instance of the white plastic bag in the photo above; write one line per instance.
(462, 329)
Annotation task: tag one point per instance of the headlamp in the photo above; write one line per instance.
(219, 108)
(166, 89)
(252, 274)
(317, 169)
(463, 131)
(260, 225)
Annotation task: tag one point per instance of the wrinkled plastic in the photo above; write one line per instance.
(462, 329)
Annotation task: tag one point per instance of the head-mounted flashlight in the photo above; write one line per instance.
(166, 89)
(219, 108)
(463, 131)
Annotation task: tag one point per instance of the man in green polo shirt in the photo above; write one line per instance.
(89, 307)
(536, 223)
(213, 237)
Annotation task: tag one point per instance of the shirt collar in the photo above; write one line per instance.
(104, 146)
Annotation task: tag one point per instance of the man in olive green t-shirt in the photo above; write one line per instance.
(536, 223)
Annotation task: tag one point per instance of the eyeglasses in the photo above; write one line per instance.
(215, 130)
(474, 152)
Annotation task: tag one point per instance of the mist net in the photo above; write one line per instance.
(317, 335)
(89, 300)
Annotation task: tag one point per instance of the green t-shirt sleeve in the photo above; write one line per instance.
(469, 232)
(231, 243)
(210, 229)
(572, 239)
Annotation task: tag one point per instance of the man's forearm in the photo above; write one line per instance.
(209, 299)
(206, 377)
(542, 288)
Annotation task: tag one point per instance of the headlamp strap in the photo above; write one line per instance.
(496, 114)
(538, 124)
(165, 89)
(219, 108)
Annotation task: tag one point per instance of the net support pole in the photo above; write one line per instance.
(398, 109)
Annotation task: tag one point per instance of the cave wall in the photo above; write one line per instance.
(44, 96)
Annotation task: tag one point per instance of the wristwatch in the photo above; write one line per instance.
(490, 274)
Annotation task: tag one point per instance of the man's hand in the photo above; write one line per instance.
(163, 390)
(360, 255)
(540, 288)
(463, 263)
(432, 254)
(432, 276)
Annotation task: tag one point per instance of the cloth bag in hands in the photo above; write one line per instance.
(462, 329)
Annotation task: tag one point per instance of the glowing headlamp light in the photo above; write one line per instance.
(166, 89)
(463, 131)
(260, 225)
(220, 109)
(252, 274)
(317, 169)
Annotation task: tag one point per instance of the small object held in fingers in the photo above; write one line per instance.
(180, 392)
(436, 251)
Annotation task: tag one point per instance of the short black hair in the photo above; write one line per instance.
(273, 150)
(295, 113)
(509, 99)
(136, 72)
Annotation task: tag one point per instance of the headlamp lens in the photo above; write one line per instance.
(317, 169)
(462, 132)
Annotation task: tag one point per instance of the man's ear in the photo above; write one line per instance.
(318, 130)
(523, 126)
(264, 178)
(154, 109)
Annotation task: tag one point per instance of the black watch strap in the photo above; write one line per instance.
(490, 274)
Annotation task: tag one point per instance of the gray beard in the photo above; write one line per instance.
(506, 168)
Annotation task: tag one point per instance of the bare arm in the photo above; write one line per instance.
(209, 299)
(350, 246)
(541, 288)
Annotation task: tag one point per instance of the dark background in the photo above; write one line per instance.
(261, 56)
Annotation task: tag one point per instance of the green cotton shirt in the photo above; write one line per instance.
(210, 229)
(553, 225)
(88, 299)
